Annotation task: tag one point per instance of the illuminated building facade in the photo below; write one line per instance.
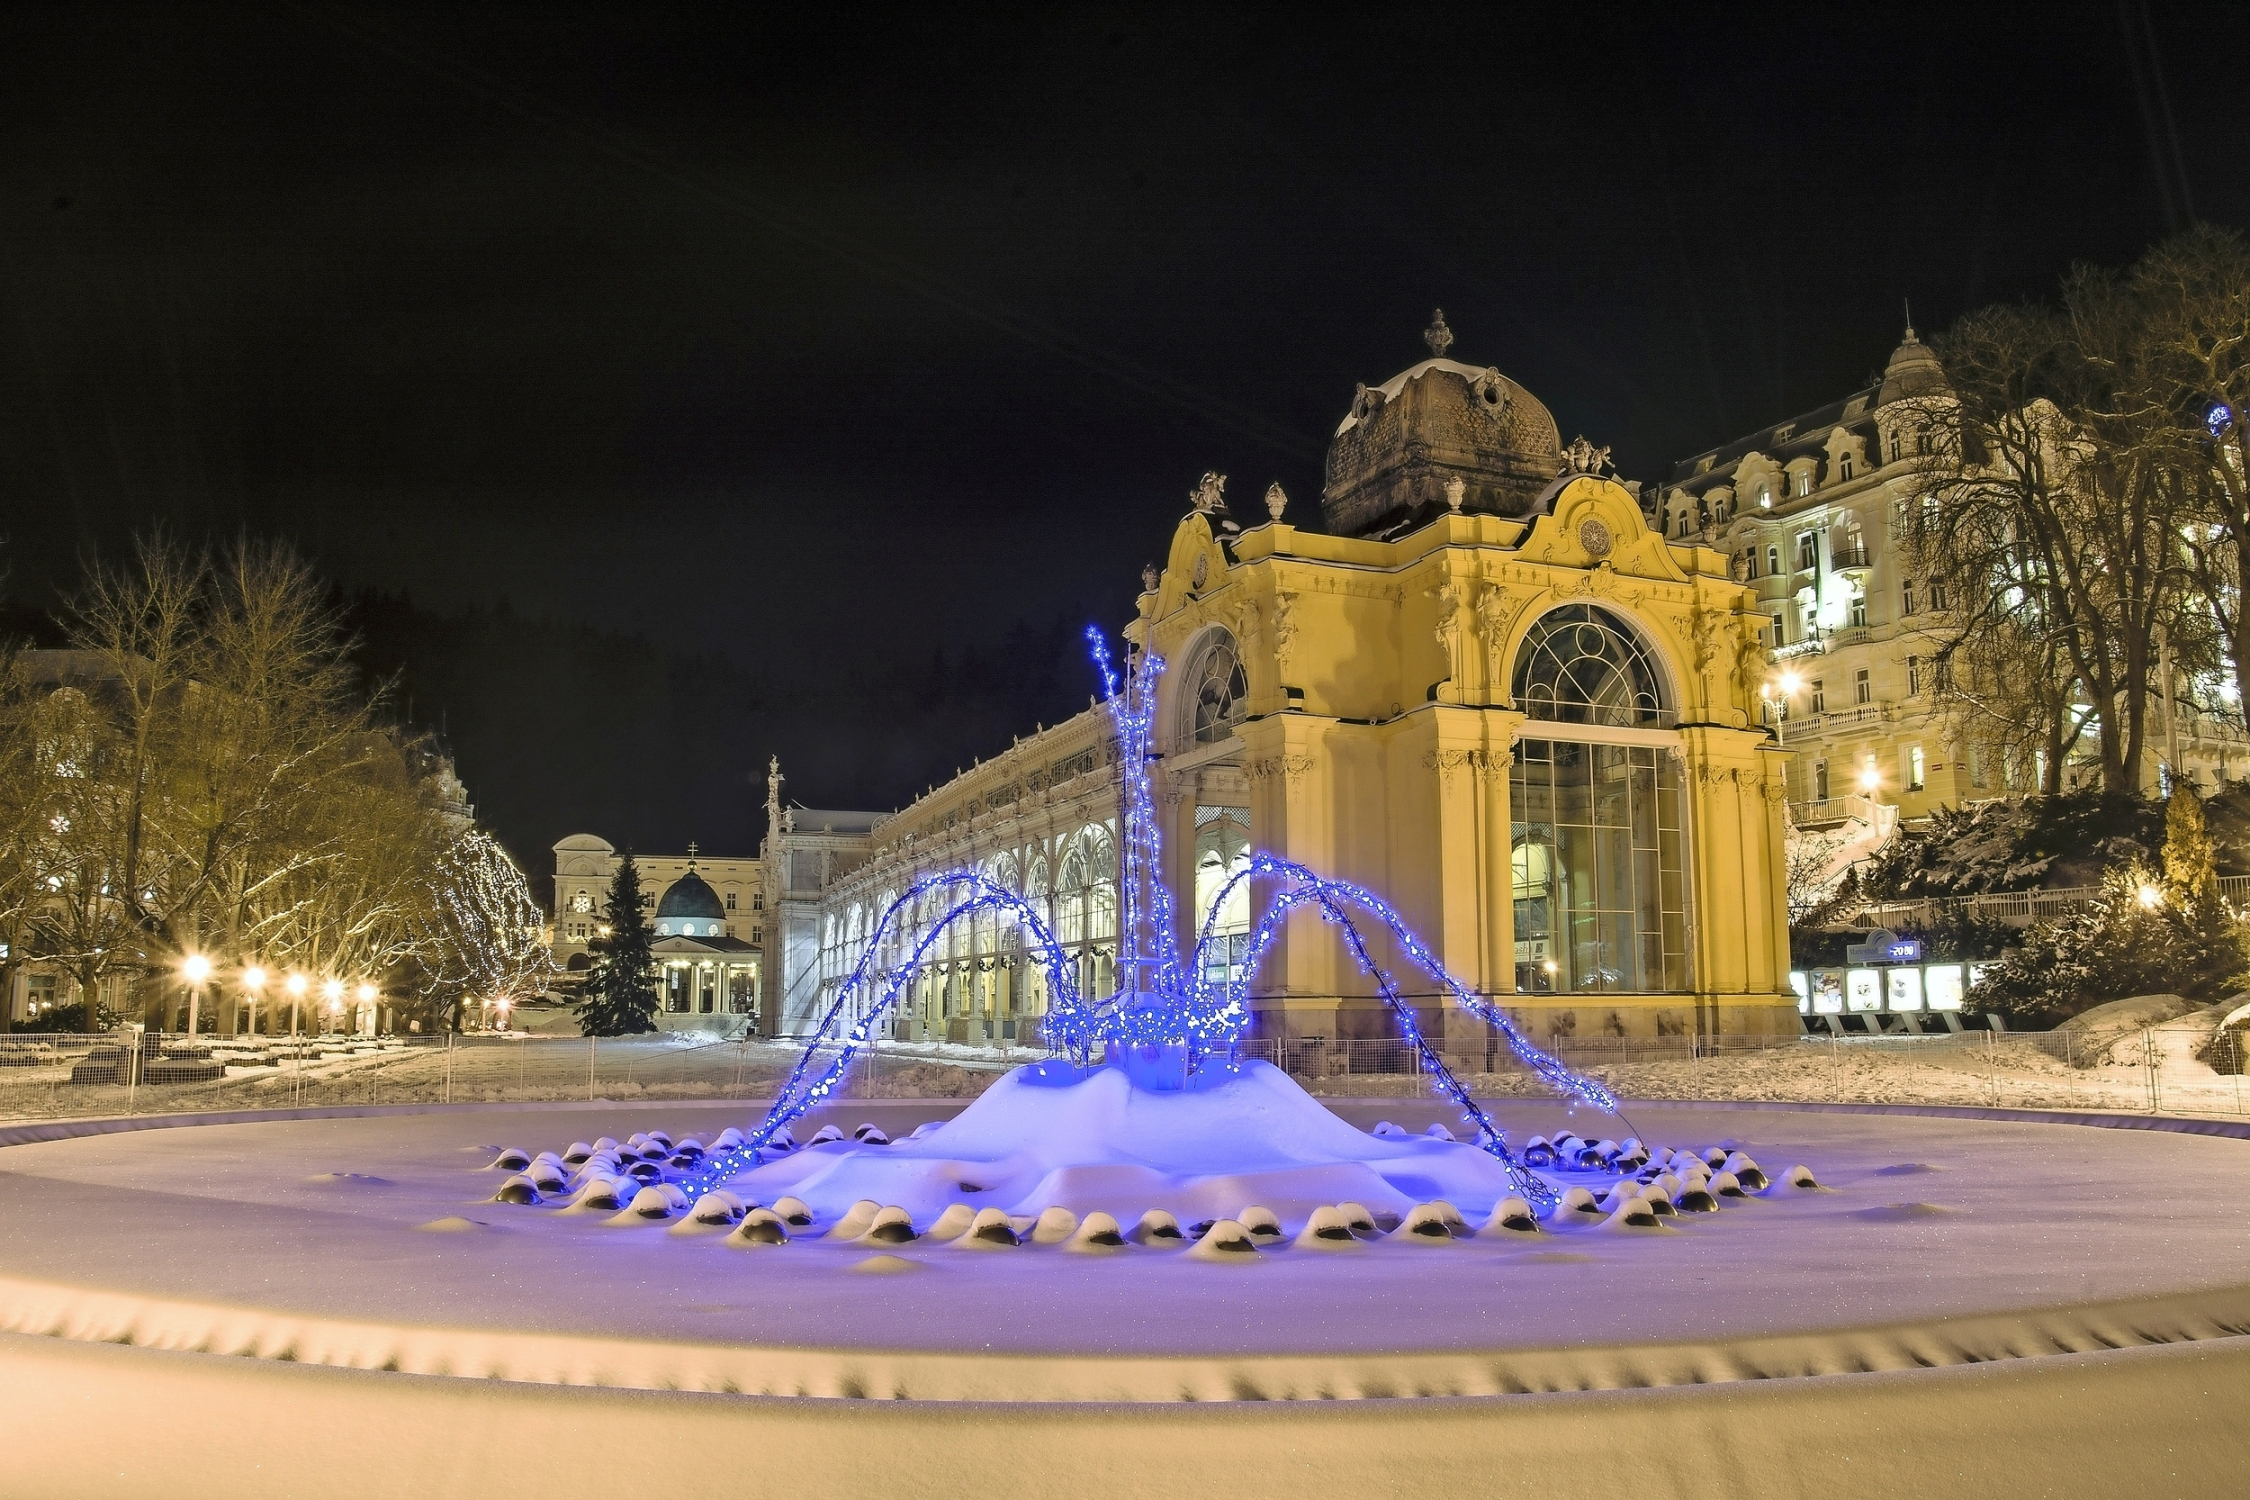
(1488, 689)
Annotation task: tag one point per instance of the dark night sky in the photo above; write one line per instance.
(752, 359)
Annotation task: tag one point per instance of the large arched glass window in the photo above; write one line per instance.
(1583, 665)
(1216, 687)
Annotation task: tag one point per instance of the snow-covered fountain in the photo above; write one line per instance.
(1147, 1105)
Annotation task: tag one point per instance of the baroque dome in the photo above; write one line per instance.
(689, 898)
(1404, 442)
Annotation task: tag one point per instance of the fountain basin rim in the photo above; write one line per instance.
(83, 1315)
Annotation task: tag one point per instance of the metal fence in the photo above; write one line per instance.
(2017, 908)
(2181, 1070)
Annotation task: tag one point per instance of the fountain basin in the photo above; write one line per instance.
(322, 1248)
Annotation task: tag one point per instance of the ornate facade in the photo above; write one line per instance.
(1811, 514)
(1489, 691)
(708, 917)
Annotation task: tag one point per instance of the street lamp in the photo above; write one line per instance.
(367, 998)
(1777, 694)
(253, 981)
(295, 985)
(195, 968)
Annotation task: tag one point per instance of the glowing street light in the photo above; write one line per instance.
(2150, 896)
(1777, 694)
(254, 982)
(195, 968)
(295, 985)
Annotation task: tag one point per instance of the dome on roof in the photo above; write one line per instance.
(687, 900)
(1406, 441)
(1913, 371)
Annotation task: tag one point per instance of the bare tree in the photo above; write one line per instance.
(2054, 526)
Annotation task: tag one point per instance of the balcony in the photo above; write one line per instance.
(1828, 812)
(1848, 559)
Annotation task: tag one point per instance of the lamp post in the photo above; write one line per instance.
(333, 992)
(1777, 692)
(295, 985)
(195, 968)
(367, 1000)
(253, 982)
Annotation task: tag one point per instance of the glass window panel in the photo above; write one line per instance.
(1599, 878)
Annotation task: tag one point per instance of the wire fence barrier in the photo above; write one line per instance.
(2183, 1070)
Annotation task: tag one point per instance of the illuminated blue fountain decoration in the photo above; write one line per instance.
(1168, 1026)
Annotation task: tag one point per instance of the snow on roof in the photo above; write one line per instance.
(1397, 383)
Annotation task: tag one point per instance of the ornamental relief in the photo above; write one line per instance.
(1489, 764)
(1290, 767)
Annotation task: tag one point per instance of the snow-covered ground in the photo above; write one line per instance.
(376, 1242)
(2015, 1070)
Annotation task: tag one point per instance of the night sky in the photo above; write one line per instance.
(665, 388)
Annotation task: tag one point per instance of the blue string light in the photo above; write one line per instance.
(1176, 1005)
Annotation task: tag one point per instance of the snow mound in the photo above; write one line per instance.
(453, 1224)
(1054, 1226)
(1801, 1178)
(513, 1159)
(857, 1220)
(712, 1213)
(1097, 1234)
(655, 1204)
(1260, 1222)
(1326, 1229)
(953, 1223)
(1359, 1221)
(885, 1265)
(1227, 1242)
(1046, 1136)
(1636, 1216)
(793, 1212)
(1158, 1228)
(1514, 1215)
(891, 1225)
(518, 1189)
(1429, 1224)
(990, 1230)
(604, 1195)
(760, 1226)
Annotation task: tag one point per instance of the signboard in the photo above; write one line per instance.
(1904, 988)
(1942, 987)
(1863, 990)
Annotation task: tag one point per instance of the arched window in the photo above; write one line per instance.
(1070, 900)
(1583, 665)
(1216, 687)
(1101, 894)
(1222, 851)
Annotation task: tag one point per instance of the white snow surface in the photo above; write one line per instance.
(1100, 1145)
(285, 1221)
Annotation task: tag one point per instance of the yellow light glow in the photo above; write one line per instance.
(333, 989)
(1870, 779)
(367, 992)
(296, 985)
(2151, 897)
(253, 978)
(1790, 682)
(196, 967)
